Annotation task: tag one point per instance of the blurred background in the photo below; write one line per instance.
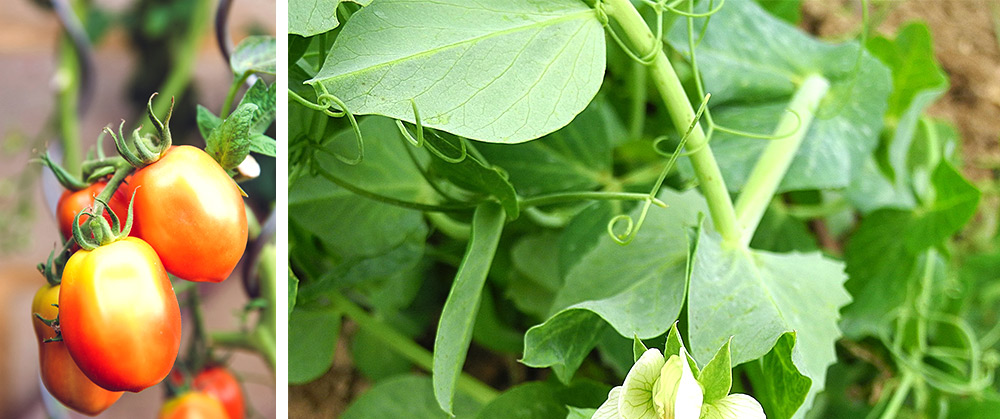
(137, 44)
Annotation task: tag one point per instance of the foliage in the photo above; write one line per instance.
(534, 201)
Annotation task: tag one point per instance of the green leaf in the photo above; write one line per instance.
(207, 122)
(780, 232)
(262, 144)
(293, 290)
(531, 400)
(755, 297)
(576, 157)
(454, 333)
(638, 301)
(562, 342)
(918, 81)
(752, 63)
(315, 335)
(717, 376)
(507, 71)
(788, 10)
(313, 17)
(536, 278)
(229, 144)
(473, 175)
(407, 396)
(778, 382)
(580, 413)
(264, 97)
(981, 407)
(254, 54)
(376, 360)
(882, 254)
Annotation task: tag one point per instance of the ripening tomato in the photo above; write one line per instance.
(61, 376)
(72, 202)
(191, 212)
(193, 405)
(120, 318)
(218, 382)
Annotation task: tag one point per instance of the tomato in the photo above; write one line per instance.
(218, 382)
(192, 213)
(120, 318)
(61, 376)
(72, 202)
(193, 405)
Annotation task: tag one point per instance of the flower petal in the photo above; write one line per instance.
(609, 410)
(689, 396)
(734, 406)
(637, 390)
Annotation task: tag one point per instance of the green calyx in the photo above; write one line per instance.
(65, 178)
(100, 231)
(147, 149)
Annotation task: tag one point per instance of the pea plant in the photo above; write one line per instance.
(629, 209)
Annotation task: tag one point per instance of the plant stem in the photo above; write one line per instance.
(184, 58)
(777, 157)
(404, 346)
(639, 95)
(68, 96)
(899, 396)
(231, 96)
(713, 186)
(564, 197)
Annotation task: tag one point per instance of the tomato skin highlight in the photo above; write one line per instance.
(193, 405)
(192, 213)
(60, 374)
(72, 202)
(120, 319)
(218, 382)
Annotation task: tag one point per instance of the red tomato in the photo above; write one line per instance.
(120, 318)
(193, 405)
(70, 203)
(218, 382)
(192, 213)
(61, 376)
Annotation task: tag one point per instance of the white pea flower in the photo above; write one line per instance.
(667, 389)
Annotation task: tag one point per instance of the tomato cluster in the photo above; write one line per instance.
(111, 321)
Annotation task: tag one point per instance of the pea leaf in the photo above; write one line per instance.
(754, 297)
(502, 71)
(254, 54)
(526, 401)
(751, 63)
(472, 174)
(406, 396)
(638, 301)
(454, 333)
(313, 17)
(779, 385)
(576, 157)
(883, 252)
(917, 81)
(315, 335)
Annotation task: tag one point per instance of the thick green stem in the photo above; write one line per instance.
(185, 56)
(777, 157)
(713, 187)
(403, 345)
(68, 96)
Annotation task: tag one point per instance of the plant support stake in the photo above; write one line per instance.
(777, 157)
(713, 187)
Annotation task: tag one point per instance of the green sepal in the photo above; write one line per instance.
(638, 348)
(58, 338)
(65, 179)
(717, 377)
(99, 173)
(229, 144)
(48, 322)
(122, 147)
(162, 128)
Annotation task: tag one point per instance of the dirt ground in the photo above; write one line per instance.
(967, 44)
